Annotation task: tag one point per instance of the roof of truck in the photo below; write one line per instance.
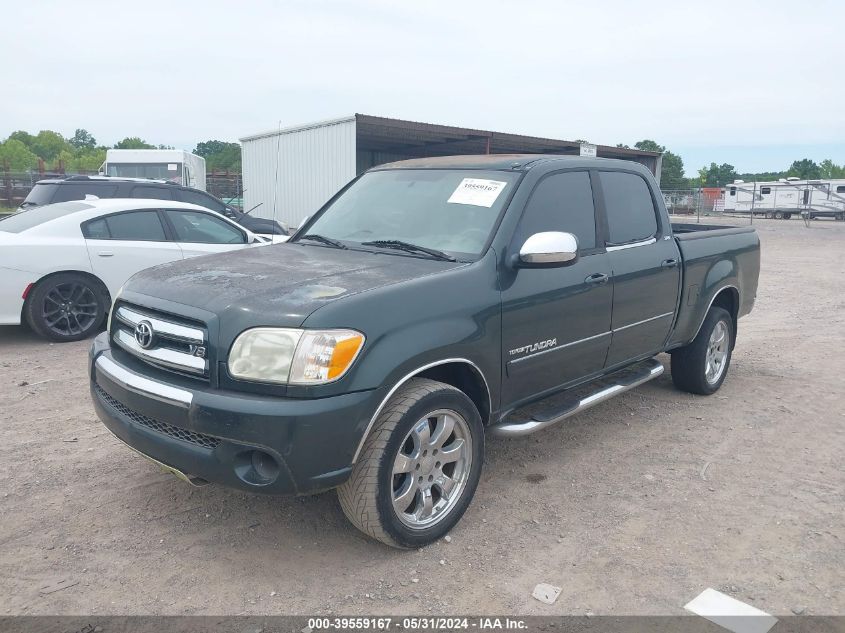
(515, 162)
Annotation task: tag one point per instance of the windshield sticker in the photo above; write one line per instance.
(477, 192)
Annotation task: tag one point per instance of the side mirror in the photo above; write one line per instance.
(547, 250)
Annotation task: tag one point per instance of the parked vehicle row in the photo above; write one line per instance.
(85, 187)
(60, 264)
(428, 303)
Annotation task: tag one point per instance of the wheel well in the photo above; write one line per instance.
(81, 273)
(728, 299)
(466, 378)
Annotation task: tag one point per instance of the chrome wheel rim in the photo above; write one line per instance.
(717, 353)
(431, 469)
(69, 308)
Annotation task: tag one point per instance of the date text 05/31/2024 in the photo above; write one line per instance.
(415, 623)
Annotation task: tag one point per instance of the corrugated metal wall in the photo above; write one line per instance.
(313, 163)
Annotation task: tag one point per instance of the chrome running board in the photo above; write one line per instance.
(583, 398)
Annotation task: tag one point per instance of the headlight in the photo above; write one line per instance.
(292, 356)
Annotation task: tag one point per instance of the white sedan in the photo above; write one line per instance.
(61, 264)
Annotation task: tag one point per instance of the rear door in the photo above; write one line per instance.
(122, 244)
(556, 321)
(646, 267)
(198, 233)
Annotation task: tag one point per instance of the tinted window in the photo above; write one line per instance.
(136, 225)
(630, 210)
(78, 191)
(203, 200)
(33, 217)
(40, 194)
(561, 202)
(96, 230)
(155, 193)
(840, 189)
(203, 228)
(765, 191)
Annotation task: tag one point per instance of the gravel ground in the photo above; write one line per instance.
(633, 507)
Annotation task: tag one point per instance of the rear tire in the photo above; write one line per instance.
(701, 366)
(66, 307)
(419, 466)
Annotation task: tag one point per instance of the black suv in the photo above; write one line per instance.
(77, 187)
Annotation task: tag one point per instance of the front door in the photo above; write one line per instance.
(200, 233)
(556, 321)
(645, 265)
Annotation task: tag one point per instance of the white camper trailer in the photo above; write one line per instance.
(786, 197)
(175, 165)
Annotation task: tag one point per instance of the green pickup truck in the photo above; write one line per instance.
(423, 307)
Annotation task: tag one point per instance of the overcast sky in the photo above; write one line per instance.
(754, 84)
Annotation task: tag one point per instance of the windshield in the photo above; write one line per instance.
(154, 171)
(448, 210)
(19, 222)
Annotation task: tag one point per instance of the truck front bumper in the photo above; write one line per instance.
(260, 444)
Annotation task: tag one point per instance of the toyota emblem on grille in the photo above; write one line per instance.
(144, 334)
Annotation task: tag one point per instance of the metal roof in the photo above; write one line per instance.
(382, 134)
(514, 162)
(410, 137)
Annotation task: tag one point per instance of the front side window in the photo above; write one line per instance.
(201, 199)
(202, 228)
(561, 202)
(140, 226)
(450, 210)
(631, 216)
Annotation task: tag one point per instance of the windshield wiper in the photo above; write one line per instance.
(410, 248)
(322, 239)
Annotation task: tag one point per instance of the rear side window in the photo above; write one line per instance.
(765, 191)
(142, 226)
(41, 193)
(840, 189)
(630, 210)
(561, 202)
(201, 199)
(203, 228)
(155, 193)
(78, 191)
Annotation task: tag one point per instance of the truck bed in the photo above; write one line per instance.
(714, 256)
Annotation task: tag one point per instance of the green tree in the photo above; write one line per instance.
(17, 155)
(672, 170)
(133, 142)
(622, 146)
(829, 169)
(805, 169)
(82, 139)
(83, 160)
(24, 137)
(48, 144)
(220, 155)
(717, 175)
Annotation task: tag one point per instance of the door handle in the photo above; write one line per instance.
(596, 279)
(105, 253)
(669, 263)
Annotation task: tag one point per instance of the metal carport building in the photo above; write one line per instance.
(289, 173)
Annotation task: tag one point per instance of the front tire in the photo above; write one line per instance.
(701, 366)
(419, 467)
(66, 307)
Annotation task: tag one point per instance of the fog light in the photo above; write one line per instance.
(264, 465)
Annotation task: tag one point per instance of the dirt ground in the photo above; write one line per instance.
(633, 507)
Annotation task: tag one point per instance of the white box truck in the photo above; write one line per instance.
(175, 165)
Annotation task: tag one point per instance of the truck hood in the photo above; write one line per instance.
(274, 285)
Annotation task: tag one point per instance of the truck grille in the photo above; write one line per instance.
(198, 439)
(161, 340)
